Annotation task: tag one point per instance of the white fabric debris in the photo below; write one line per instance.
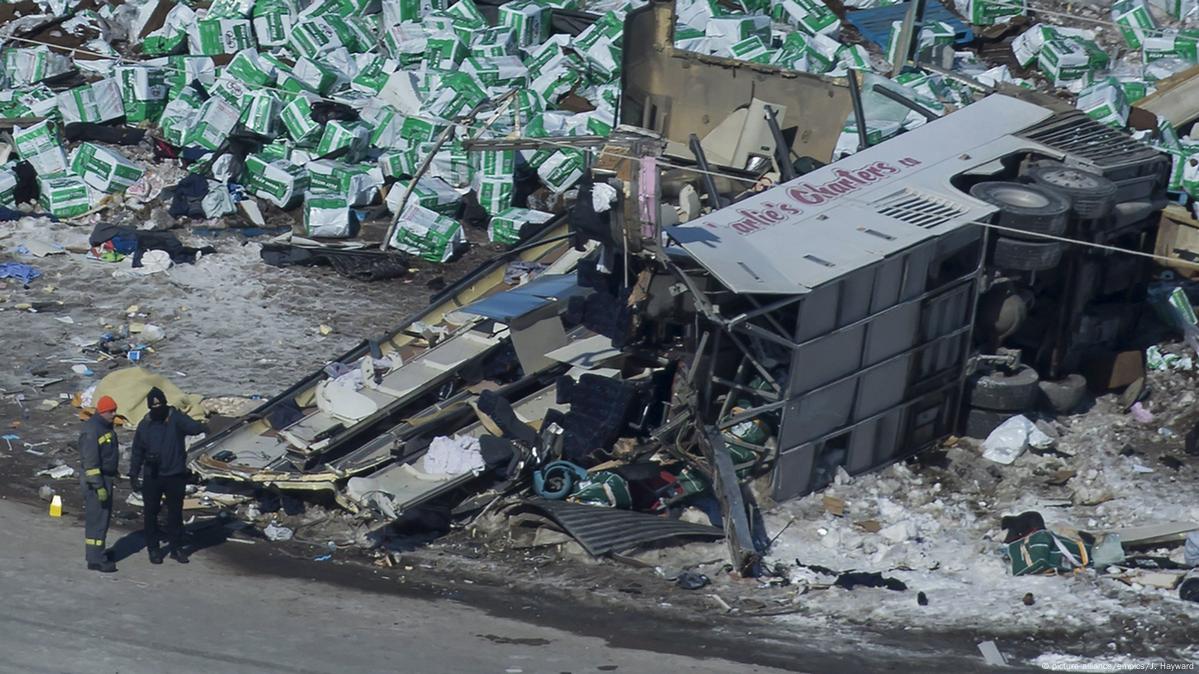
(602, 196)
(452, 456)
(1007, 442)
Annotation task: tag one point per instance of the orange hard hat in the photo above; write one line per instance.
(106, 404)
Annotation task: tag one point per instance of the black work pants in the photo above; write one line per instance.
(156, 490)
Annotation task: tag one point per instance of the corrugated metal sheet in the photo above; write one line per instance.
(604, 530)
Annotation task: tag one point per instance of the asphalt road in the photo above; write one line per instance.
(209, 616)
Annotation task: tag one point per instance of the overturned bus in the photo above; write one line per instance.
(829, 322)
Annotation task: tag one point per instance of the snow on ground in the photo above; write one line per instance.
(234, 325)
(940, 531)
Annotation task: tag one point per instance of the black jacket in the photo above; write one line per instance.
(98, 449)
(162, 442)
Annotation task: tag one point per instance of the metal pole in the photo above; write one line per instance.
(906, 102)
(782, 153)
(859, 115)
(424, 165)
(709, 184)
(420, 171)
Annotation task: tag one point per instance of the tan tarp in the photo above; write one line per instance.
(130, 385)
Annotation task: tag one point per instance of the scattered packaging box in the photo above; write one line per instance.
(328, 215)
(989, 12)
(353, 136)
(143, 92)
(63, 196)
(1135, 22)
(428, 235)
(1064, 62)
(561, 170)
(96, 102)
(40, 146)
(8, 187)
(495, 194)
(434, 194)
(214, 122)
(297, 119)
(1171, 44)
(280, 182)
(262, 114)
(737, 28)
(1104, 101)
(359, 183)
(104, 169)
(934, 34)
(272, 23)
(751, 49)
(507, 226)
(811, 16)
(212, 37)
(529, 21)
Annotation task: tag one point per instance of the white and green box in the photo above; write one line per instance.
(272, 23)
(405, 43)
(297, 119)
(399, 162)
(96, 102)
(8, 187)
(434, 194)
(1027, 45)
(214, 122)
(444, 51)
(561, 170)
(212, 37)
(1105, 102)
(501, 71)
(180, 116)
(262, 114)
(458, 95)
(751, 49)
(495, 193)
(1171, 44)
(104, 169)
(316, 76)
(427, 234)
(507, 225)
(40, 146)
(280, 182)
(1063, 62)
(990, 12)
(529, 20)
(1134, 21)
(143, 92)
(63, 196)
(312, 37)
(327, 215)
(396, 12)
(339, 134)
(812, 18)
(359, 183)
(740, 27)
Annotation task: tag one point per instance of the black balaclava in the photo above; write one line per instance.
(156, 400)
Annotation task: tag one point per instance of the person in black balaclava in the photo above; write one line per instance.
(159, 451)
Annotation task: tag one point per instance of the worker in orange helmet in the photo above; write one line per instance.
(98, 455)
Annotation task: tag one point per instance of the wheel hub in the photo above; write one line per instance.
(1018, 196)
(1071, 179)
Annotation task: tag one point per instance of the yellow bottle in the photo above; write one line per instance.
(56, 506)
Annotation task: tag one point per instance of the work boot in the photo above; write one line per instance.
(179, 556)
(107, 566)
(155, 556)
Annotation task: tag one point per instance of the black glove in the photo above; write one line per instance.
(135, 483)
